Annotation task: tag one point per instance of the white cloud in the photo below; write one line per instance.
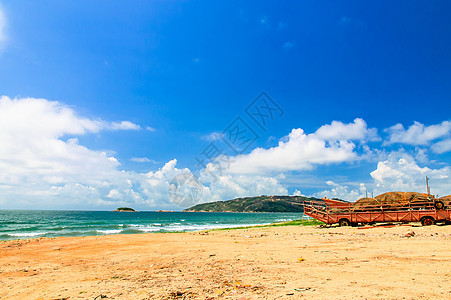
(357, 130)
(157, 185)
(300, 151)
(297, 193)
(344, 192)
(186, 190)
(143, 160)
(214, 136)
(400, 172)
(39, 166)
(421, 155)
(151, 129)
(418, 134)
(229, 186)
(123, 125)
(26, 117)
(29, 117)
(114, 194)
(43, 165)
(442, 146)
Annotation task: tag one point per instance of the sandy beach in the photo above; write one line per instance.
(403, 262)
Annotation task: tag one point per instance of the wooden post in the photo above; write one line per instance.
(427, 185)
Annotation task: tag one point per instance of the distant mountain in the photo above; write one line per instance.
(254, 204)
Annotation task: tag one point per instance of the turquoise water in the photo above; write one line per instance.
(19, 224)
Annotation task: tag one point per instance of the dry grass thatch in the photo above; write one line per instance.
(445, 199)
(392, 199)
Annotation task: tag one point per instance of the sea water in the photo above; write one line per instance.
(20, 224)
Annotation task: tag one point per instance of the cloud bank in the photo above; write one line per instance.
(332, 143)
(43, 164)
(400, 171)
(40, 156)
(418, 134)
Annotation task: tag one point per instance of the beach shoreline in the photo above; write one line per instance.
(284, 262)
(34, 224)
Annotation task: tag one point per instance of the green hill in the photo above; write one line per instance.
(126, 209)
(254, 204)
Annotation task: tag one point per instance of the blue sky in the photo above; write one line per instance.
(186, 69)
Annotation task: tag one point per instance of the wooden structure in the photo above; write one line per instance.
(331, 212)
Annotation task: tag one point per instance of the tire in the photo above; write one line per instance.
(427, 221)
(354, 224)
(439, 205)
(344, 222)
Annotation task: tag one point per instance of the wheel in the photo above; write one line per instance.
(354, 224)
(439, 204)
(344, 222)
(427, 221)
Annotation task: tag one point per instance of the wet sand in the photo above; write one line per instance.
(292, 262)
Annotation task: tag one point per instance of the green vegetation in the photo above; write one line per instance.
(310, 222)
(125, 209)
(254, 204)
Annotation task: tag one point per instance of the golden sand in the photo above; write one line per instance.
(402, 262)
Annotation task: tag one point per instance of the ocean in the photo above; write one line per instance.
(23, 224)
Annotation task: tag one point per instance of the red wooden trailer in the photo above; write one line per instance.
(426, 213)
(337, 203)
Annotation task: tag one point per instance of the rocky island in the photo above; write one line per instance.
(125, 209)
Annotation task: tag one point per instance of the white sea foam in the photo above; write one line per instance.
(111, 231)
(149, 228)
(27, 234)
(204, 226)
(191, 227)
